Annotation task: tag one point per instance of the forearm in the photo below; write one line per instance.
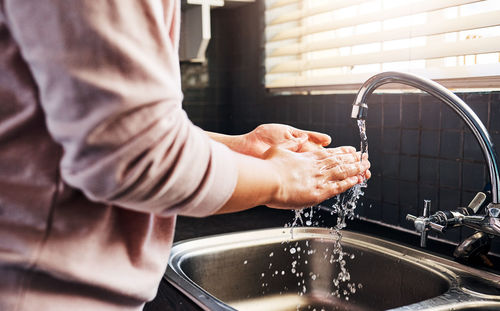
(234, 142)
(257, 184)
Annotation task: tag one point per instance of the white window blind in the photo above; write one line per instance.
(314, 44)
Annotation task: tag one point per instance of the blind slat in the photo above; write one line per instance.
(281, 3)
(473, 71)
(481, 20)
(464, 47)
(295, 15)
(415, 8)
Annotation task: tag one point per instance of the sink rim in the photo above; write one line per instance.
(445, 268)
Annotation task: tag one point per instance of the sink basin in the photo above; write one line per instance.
(274, 269)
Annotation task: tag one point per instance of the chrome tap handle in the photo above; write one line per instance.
(476, 203)
(423, 223)
(410, 217)
(436, 227)
(470, 220)
(427, 208)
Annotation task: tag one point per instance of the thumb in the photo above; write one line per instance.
(319, 138)
(301, 137)
(294, 143)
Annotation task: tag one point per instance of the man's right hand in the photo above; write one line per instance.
(288, 180)
(309, 178)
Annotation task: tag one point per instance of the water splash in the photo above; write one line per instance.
(343, 206)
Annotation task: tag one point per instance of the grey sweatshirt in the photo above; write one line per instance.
(97, 156)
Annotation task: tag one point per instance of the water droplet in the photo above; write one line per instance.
(271, 254)
(292, 250)
(245, 262)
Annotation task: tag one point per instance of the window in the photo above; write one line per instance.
(327, 44)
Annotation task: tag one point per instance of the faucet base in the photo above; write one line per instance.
(474, 249)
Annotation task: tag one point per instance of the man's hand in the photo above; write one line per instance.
(265, 136)
(288, 180)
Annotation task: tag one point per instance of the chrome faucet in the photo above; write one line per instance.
(488, 223)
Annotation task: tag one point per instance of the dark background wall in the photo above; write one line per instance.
(418, 147)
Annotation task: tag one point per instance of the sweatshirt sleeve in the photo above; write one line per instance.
(108, 79)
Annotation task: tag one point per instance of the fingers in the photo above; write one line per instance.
(294, 143)
(319, 138)
(315, 137)
(342, 149)
(346, 170)
(337, 187)
(335, 152)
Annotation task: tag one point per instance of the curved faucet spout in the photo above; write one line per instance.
(360, 111)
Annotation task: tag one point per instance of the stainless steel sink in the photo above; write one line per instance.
(255, 270)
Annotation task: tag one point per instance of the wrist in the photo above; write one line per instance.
(234, 142)
(258, 184)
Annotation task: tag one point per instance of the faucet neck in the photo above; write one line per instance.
(461, 108)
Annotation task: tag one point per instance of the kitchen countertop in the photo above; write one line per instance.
(169, 298)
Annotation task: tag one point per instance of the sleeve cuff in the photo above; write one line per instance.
(223, 176)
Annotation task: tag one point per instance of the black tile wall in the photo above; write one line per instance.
(410, 141)
(374, 118)
(473, 176)
(391, 139)
(449, 119)
(479, 103)
(408, 195)
(419, 148)
(428, 171)
(429, 112)
(374, 191)
(392, 110)
(408, 168)
(450, 144)
(390, 167)
(429, 143)
(390, 213)
(495, 113)
(449, 174)
(410, 112)
(472, 151)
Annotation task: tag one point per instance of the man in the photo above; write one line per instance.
(97, 156)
